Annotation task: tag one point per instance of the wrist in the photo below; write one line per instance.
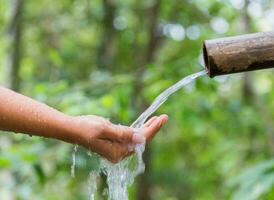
(73, 131)
(68, 130)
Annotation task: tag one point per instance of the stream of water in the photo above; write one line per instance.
(121, 175)
(72, 168)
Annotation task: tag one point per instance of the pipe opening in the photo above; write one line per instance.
(206, 60)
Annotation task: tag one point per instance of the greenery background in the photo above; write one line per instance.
(112, 58)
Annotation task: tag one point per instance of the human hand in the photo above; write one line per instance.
(114, 142)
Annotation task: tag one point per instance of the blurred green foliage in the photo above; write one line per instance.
(84, 57)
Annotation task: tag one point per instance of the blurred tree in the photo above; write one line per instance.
(105, 50)
(248, 89)
(15, 40)
(144, 184)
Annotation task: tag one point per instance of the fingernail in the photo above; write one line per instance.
(138, 138)
(164, 116)
(159, 122)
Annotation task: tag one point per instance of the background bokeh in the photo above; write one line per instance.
(112, 58)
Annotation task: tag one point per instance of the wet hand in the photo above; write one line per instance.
(114, 142)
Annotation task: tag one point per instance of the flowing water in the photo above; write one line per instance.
(122, 174)
(72, 168)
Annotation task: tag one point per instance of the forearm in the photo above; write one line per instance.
(22, 114)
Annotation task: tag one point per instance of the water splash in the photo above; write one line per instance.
(121, 175)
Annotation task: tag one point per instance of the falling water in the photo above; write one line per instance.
(122, 174)
(164, 96)
(72, 168)
(92, 185)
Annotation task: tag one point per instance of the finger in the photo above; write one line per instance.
(149, 132)
(164, 118)
(150, 121)
(118, 133)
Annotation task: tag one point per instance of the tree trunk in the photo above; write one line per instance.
(247, 87)
(144, 183)
(105, 51)
(14, 51)
(12, 79)
(248, 90)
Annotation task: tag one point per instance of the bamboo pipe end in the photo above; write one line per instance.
(208, 62)
(239, 53)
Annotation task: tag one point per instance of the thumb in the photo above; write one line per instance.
(150, 129)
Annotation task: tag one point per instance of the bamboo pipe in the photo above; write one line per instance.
(239, 53)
